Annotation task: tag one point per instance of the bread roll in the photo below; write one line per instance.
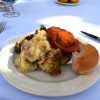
(85, 61)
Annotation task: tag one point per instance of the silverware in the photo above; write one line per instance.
(2, 26)
(91, 35)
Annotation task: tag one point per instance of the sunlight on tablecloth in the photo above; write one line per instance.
(72, 23)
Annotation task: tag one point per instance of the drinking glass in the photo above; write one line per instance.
(10, 13)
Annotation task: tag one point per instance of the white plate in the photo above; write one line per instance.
(39, 83)
(69, 4)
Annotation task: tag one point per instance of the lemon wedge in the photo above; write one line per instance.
(74, 1)
(63, 1)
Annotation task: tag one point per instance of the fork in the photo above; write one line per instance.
(2, 26)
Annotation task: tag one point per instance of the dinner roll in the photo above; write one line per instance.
(85, 61)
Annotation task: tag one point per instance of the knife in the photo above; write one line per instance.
(91, 35)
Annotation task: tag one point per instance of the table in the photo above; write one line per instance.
(84, 16)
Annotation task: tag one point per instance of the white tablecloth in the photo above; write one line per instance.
(33, 13)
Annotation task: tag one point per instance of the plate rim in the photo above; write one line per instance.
(40, 94)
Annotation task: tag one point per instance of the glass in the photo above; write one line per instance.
(10, 13)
